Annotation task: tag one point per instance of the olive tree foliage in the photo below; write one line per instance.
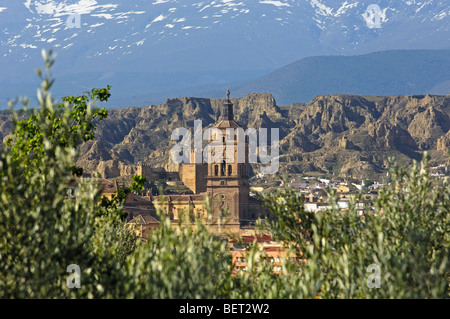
(400, 250)
(27, 142)
(49, 219)
(186, 261)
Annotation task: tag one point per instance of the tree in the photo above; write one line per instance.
(404, 244)
(185, 261)
(138, 183)
(119, 198)
(43, 230)
(368, 182)
(47, 122)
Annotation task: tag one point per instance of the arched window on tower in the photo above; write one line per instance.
(230, 170)
(222, 168)
(216, 170)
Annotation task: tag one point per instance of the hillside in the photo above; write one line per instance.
(343, 134)
(347, 135)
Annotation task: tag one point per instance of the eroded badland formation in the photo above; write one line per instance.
(346, 135)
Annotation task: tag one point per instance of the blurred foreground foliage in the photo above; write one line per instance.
(44, 229)
(405, 240)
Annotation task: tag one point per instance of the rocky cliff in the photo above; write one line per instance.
(347, 135)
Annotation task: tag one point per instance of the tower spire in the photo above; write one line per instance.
(227, 109)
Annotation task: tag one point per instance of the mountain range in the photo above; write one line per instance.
(396, 72)
(151, 50)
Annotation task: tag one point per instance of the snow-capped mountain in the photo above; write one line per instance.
(158, 45)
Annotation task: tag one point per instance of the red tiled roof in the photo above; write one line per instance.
(144, 219)
(107, 186)
(137, 199)
(260, 239)
(181, 198)
(270, 249)
(227, 123)
(150, 219)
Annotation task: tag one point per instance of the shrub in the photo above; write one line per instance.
(405, 240)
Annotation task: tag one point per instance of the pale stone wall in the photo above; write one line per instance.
(194, 177)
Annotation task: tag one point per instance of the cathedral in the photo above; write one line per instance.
(221, 185)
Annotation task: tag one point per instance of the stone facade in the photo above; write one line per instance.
(194, 176)
(149, 172)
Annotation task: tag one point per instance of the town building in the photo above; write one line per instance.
(272, 253)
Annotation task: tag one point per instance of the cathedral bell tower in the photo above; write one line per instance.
(227, 179)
